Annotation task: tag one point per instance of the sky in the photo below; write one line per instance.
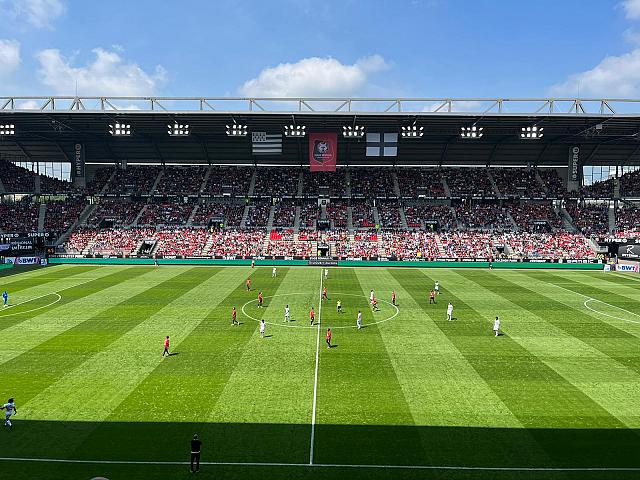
(326, 48)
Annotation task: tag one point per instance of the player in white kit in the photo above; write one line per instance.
(496, 327)
(371, 297)
(359, 321)
(449, 312)
(437, 288)
(262, 327)
(9, 409)
(287, 314)
(274, 273)
(326, 273)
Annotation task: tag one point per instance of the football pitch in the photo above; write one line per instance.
(410, 395)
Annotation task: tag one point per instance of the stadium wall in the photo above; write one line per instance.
(335, 263)
(6, 266)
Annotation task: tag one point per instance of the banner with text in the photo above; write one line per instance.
(78, 160)
(323, 152)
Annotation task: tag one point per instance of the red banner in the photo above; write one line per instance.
(323, 152)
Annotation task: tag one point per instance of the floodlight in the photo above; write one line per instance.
(471, 132)
(7, 129)
(531, 133)
(353, 132)
(237, 130)
(412, 132)
(178, 130)
(295, 130)
(120, 129)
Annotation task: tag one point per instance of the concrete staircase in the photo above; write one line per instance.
(382, 251)
(567, 221)
(2, 189)
(108, 182)
(265, 245)
(347, 182)
(440, 246)
(193, 214)
(272, 214)
(494, 186)
(205, 180)
(140, 213)
(41, 214)
(156, 182)
(447, 190)
(349, 219)
(612, 219)
(245, 215)
(403, 219)
(540, 181)
(396, 185)
(252, 183)
(296, 221)
(82, 219)
(86, 213)
(376, 215)
(512, 221)
(300, 183)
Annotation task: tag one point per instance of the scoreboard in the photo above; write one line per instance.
(20, 244)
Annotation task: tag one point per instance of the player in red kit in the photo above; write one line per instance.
(312, 315)
(324, 293)
(166, 346)
(260, 299)
(234, 315)
(393, 297)
(328, 339)
(248, 284)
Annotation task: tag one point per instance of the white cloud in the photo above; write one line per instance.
(631, 36)
(614, 76)
(314, 77)
(631, 9)
(29, 105)
(9, 56)
(107, 74)
(37, 13)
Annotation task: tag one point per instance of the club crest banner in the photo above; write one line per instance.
(323, 152)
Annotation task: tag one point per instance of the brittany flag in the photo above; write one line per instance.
(263, 143)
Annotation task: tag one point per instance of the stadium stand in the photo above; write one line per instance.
(415, 182)
(589, 219)
(19, 216)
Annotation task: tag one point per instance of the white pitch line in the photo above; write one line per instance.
(328, 465)
(315, 379)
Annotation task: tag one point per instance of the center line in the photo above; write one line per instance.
(315, 381)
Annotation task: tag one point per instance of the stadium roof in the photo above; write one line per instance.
(46, 129)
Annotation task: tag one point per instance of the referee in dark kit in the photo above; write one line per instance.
(196, 445)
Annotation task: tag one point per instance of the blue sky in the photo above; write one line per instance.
(427, 48)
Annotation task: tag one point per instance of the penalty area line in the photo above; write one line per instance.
(327, 465)
(315, 379)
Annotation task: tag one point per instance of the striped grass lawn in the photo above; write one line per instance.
(411, 395)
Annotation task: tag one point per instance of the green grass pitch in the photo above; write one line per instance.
(411, 395)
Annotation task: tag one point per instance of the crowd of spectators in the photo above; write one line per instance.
(603, 189)
(333, 181)
(79, 239)
(284, 214)
(413, 180)
(232, 181)
(628, 222)
(468, 181)
(363, 245)
(371, 182)
(535, 217)
(630, 184)
(520, 182)
(309, 213)
(182, 241)
(258, 215)
(120, 213)
(276, 182)
(338, 213)
(134, 180)
(554, 184)
(229, 213)
(421, 216)
(389, 213)
(107, 241)
(468, 244)
(288, 248)
(544, 245)
(100, 178)
(481, 216)
(55, 185)
(184, 180)
(166, 214)
(19, 216)
(16, 179)
(61, 214)
(240, 243)
(362, 215)
(590, 219)
(410, 244)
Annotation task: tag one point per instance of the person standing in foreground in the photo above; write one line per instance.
(328, 339)
(234, 317)
(450, 312)
(274, 272)
(393, 298)
(248, 284)
(263, 326)
(437, 288)
(312, 315)
(9, 409)
(287, 314)
(496, 327)
(324, 293)
(196, 446)
(432, 297)
(166, 346)
(260, 299)
(5, 298)
(339, 305)
(359, 321)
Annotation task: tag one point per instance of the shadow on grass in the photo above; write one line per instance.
(334, 444)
